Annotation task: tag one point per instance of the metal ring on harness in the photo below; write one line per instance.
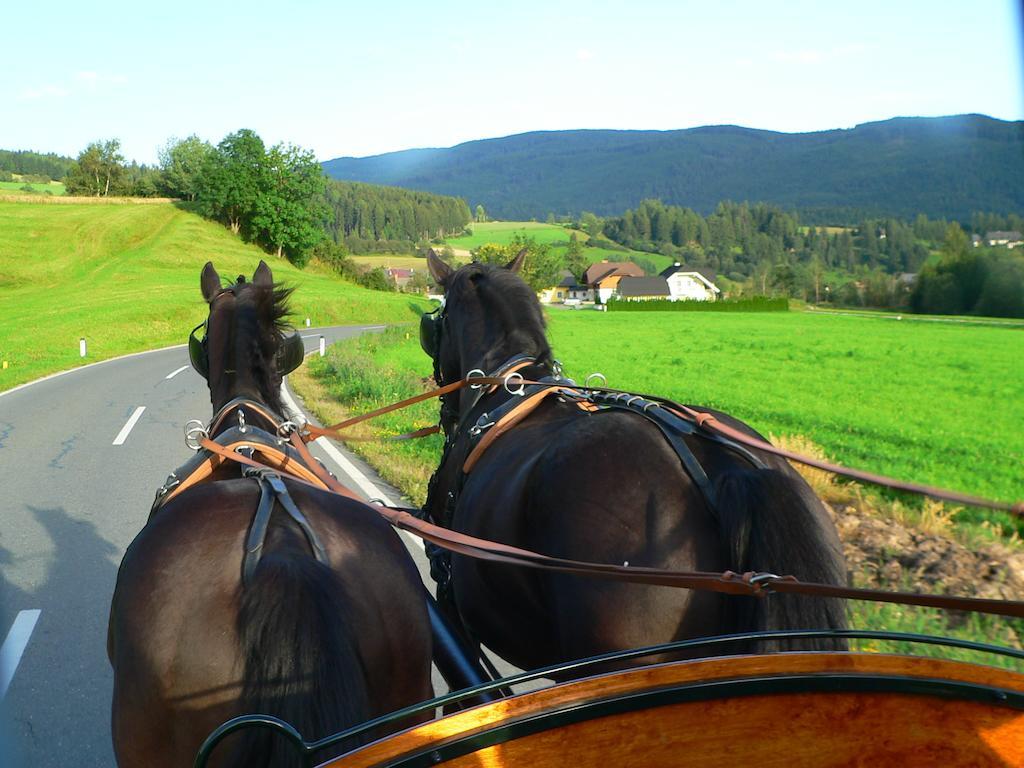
(601, 376)
(475, 373)
(759, 580)
(195, 432)
(522, 387)
(285, 428)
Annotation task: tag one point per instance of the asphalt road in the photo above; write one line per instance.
(79, 464)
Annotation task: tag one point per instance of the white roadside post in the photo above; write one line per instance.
(81, 347)
(307, 322)
(323, 346)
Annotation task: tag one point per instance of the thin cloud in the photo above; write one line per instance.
(584, 54)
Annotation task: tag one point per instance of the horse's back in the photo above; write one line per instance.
(173, 637)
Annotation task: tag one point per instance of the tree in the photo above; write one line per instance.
(575, 260)
(230, 181)
(182, 163)
(289, 210)
(97, 171)
(481, 214)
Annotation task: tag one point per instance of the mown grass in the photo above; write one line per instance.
(502, 233)
(126, 277)
(396, 261)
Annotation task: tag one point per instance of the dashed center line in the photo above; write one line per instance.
(127, 428)
(14, 646)
(172, 374)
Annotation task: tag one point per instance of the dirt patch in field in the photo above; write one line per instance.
(886, 554)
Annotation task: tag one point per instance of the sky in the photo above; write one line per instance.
(356, 79)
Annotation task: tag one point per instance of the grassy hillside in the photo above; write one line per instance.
(943, 167)
(126, 277)
(502, 233)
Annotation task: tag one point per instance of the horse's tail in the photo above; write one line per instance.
(773, 522)
(301, 661)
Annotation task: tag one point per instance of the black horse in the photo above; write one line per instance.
(250, 592)
(602, 485)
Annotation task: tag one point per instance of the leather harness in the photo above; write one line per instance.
(277, 459)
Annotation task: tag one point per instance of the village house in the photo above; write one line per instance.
(399, 276)
(557, 294)
(687, 284)
(1008, 239)
(603, 277)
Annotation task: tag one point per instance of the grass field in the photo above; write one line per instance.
(502, 232)
(395, 261)
(126, 277)
(54, 187)
(933, 403)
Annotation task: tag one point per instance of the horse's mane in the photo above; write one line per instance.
(260, 319)
(514, 305)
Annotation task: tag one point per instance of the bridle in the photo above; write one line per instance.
(290, 353)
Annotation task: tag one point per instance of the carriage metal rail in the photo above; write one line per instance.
(688, 692)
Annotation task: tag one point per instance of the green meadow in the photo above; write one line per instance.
(502, 233)
(930, 402)
(126, 278)
(933, 402)
(54, 187)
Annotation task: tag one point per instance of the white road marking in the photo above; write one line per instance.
(127, 428)
(14, 646)
(83, 367)
(172, 374)
(364, 484)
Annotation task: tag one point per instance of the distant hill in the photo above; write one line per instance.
(940, 166)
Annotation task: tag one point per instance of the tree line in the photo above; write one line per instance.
(277, 196)
(925, 265)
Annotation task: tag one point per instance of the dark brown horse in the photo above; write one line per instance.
(603, 485)
(312, 612)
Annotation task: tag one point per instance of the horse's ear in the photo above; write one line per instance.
(516, 265)
(262, 276)
(438, 269)
(209, 282)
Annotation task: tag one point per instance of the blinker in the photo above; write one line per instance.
(289, 355)
(430, 332)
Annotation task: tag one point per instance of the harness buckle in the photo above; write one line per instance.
(482, 423)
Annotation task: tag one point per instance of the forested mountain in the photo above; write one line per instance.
(374, 213)
(944, 167)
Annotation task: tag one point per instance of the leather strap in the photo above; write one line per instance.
(749, 584)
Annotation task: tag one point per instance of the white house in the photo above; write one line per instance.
(1009, 239)
(689, 285)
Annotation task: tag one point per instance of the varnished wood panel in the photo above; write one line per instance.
(788, 730)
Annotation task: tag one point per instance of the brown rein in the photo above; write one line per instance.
(703, 420)
(748, 584)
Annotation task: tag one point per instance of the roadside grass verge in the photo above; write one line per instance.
(126, 278)
(361, 374)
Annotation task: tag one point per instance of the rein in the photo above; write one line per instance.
(513, 383)
(746, 584)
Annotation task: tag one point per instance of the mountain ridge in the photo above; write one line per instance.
(942, 166)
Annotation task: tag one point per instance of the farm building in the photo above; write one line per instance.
(399, 276)
(686, 284)
(603, 277)
(642, 288)
(1009, 239)
(557, 294)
